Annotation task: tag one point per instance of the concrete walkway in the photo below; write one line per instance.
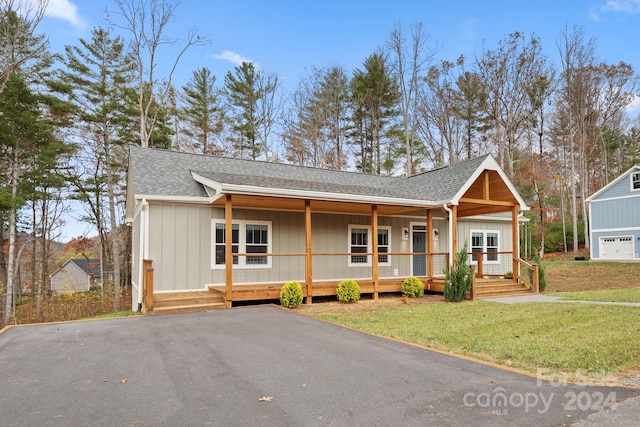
(552, 298)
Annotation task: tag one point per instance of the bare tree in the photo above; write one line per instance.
(576, 56)
(268, 108)
(147, 22)
(408, 61)
(441, 126)
(508, 74)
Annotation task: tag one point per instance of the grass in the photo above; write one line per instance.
(571, 276)
(116, 314)
(561, 338)
(572, 340)
(612, 295)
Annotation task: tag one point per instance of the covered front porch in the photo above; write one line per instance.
(425, 256)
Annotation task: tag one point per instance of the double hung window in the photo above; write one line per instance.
(486, 243)
(360, 243)
(252, 238)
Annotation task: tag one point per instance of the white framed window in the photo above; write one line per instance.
(487, 242)
(248, 237)
(360, 243)
(635, 181)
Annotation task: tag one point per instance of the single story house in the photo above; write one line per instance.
(75, 275)
(614, 218)
(243, 228)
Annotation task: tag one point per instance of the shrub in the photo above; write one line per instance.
(458, 280)
(542, 282)
(412, 287)
(508, 275)
(348, 291)
(291, 294)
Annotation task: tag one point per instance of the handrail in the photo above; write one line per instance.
(533, 276)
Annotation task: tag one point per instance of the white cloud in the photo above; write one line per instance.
(634, 106)
(67, 11)
(233, 57)
(468, 28)
(630, 7)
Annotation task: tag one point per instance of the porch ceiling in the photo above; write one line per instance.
(488, 194)
(284, 203)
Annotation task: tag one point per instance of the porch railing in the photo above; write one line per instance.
(333, 266)
(529, 274)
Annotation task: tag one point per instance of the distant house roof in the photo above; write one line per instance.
(89, 266)
(164, 174)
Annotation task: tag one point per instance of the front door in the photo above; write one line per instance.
(419, 245)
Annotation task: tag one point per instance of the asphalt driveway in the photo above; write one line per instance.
(262, 366)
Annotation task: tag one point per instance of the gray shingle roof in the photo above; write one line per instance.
(168, 173)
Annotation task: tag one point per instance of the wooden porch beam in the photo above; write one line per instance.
(308, 267)
(228, 248)
(374, 241)
(486, 202)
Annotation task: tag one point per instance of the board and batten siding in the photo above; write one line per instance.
(180, 246)
(505, 261)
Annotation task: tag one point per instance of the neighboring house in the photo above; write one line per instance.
(75, 275)
(193, 216)
(614, 218)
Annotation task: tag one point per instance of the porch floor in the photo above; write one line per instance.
(256, 292)
(215, 297)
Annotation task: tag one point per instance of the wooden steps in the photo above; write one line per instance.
(186, 302)
(495, 288)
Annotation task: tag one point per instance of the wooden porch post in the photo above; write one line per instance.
(308, 267)
(454, 234)
(515, 241)
(374, 241)
(429, 244)
(228, 248)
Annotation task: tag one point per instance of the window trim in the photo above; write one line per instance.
(242, 244)
(368, 263)
(634, 178)
(484, 246)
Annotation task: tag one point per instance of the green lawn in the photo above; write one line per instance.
(612, 295)
(565, 338)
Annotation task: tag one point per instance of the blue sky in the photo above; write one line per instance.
(287, 37)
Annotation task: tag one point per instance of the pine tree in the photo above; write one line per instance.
(242, 95)
(98, 81)
(202, 111)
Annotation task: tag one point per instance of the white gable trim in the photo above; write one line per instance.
(612, 183)
(490, 164)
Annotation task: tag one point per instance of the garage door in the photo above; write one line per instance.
(616, 247)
